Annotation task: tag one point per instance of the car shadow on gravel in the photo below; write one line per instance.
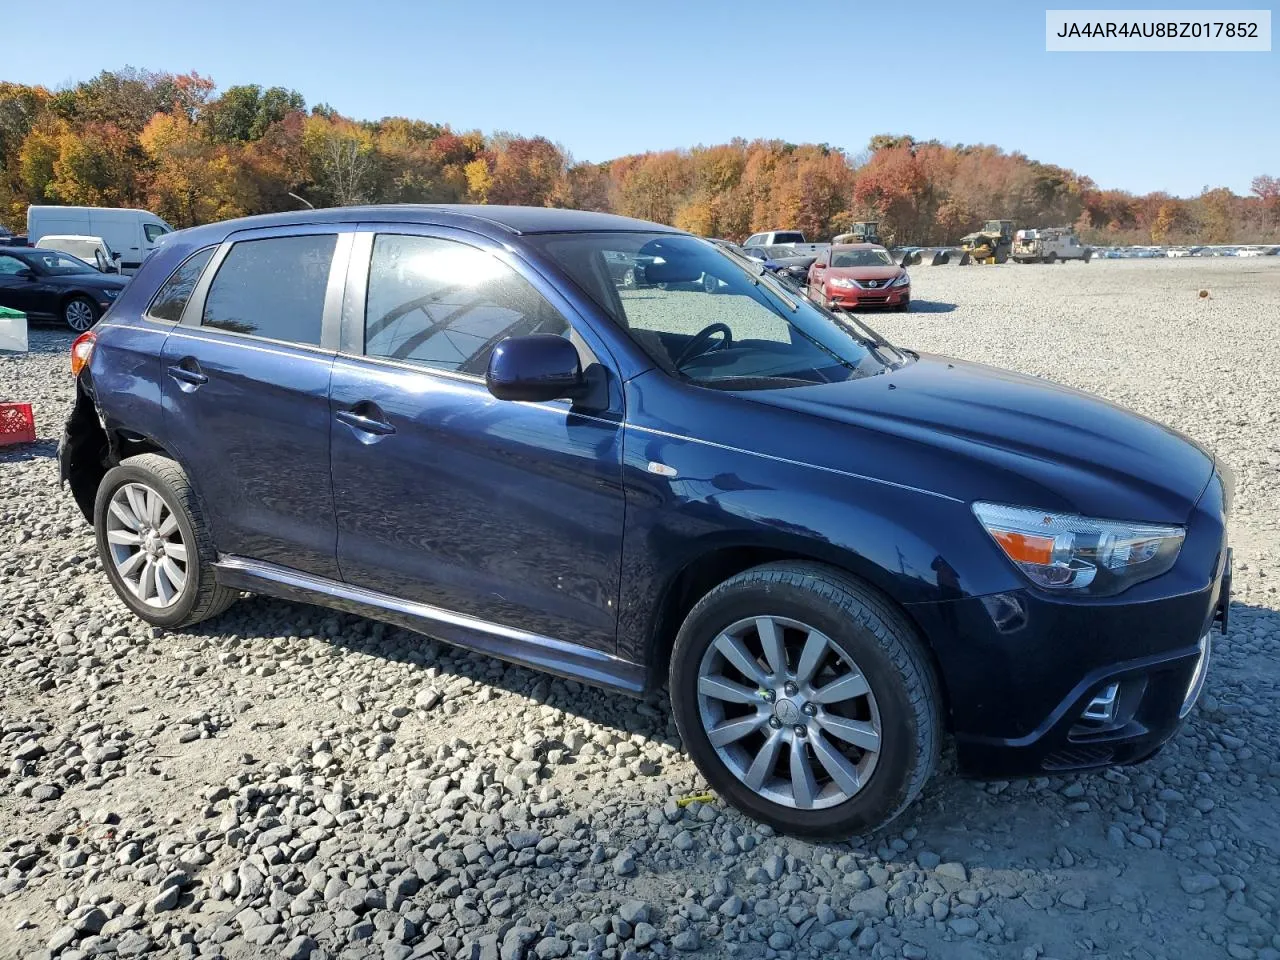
(44, 341)
(931, 306)
(40, 450)
(647, 716)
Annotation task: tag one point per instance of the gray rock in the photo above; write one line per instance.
(551, 948)
(964, 926)
(874, 903)
(166, 900)
(624, 864)
(61, 937)
(524, 839)
(687, 941)
(299, 948)
(1199, 883)
(644, 934)
(635, 911)
(133, 944)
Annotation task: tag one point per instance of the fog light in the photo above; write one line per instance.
(1197, 678)
(1102, 708)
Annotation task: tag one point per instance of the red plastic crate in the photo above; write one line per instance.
(17, 424)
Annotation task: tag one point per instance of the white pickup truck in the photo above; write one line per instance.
(785, 238)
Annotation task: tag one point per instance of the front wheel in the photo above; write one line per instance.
(806, 700)
(80, 313)
(155, 545)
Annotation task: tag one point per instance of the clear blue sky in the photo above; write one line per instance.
(608, 78)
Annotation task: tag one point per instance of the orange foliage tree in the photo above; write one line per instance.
(175, 144)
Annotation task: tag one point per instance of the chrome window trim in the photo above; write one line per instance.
(331, 315)
(146, 314)
(356, 298)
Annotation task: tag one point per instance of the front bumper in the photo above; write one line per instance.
(857, 297)
(1039, 683)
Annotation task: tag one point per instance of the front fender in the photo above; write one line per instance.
(914, 545)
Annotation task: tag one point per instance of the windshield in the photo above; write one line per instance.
(710, 317)
(53, 263)
(861, 258)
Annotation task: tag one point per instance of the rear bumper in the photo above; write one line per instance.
(1023, 668)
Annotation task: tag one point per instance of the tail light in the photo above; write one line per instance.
(82, 351)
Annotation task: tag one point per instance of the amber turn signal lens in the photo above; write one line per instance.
(1024, 547)
(82, 352)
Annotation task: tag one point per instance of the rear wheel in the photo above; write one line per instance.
(1051, 258)
(806, 700)
(80, 313)
(155, 544)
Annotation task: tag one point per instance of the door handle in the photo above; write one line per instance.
(188, 374)
(368, 424)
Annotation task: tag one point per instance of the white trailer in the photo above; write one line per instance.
(1049, 245)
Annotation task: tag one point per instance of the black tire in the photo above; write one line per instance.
(1051, 258)
(873, 633)
(201, 596)
(80, 313)
(902, 307)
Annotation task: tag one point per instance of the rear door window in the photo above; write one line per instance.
(446, 305)
(171, 299)
(272, 288)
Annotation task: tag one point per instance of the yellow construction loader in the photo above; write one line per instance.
(992, 244)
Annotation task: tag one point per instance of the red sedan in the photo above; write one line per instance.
(855, 275)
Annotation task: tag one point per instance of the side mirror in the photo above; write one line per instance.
(535, 369)
(25, 274)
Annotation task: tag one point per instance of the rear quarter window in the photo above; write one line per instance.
(272, 288)
(171, 299)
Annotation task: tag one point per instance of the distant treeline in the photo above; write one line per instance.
(174, 145)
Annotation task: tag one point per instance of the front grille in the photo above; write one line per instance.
(1077, 758)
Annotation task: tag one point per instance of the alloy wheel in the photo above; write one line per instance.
(788, 712)
(146, 545)
(79, 315)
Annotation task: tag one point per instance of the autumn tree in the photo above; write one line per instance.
(174, 143)
(340, 153)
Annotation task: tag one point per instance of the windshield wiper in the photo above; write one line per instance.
(756, 272)
(778, 289)
(876, 341)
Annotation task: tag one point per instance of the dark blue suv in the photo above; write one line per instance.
(834, 551)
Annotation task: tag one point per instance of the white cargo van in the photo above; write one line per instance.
(131, 233)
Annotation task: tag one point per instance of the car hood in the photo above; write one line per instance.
(998, 435)
(89, 281)
(887, 272)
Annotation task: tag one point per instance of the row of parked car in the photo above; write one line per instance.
(835, 275)
(1148, 253)
(69, 265)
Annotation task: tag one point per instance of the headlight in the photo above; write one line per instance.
(903, 279)
(111, 293)
(1060, 551)
(842, 283)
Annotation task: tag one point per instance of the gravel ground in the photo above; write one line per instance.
(286, 781)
